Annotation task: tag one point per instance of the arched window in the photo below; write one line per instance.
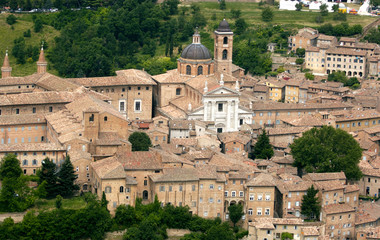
(208, 70)
(145, 195)
(34, 162)
(121, 189)
(178, 91)
(108, 189)
(25, 162)
(188, 70)
(224, 54)
(200, 70)
(85, 187)
(225, 40)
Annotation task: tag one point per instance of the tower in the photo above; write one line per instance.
(41, 63)
(6, 69)
(223, 48)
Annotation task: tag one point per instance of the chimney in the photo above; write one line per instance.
(41, 63)
(6, 70)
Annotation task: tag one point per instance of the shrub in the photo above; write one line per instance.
(319, 19)
(27, 33)
(267, 14)
(299, 61)
(11, 19)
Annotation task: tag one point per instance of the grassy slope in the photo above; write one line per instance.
(7, 36)
(71, 203)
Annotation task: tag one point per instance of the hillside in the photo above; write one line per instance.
(8, 35)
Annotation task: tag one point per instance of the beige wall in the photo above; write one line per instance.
(256, 205)
(356, 125)
(28, 109)
(25, 133)
(335, 225)
(370, 182)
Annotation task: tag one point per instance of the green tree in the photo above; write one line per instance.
(267, 14)
(337, 76)
(58, 201)
(375, 3)
(11, 19)
(125, 215)
(299, 6)
(38, 25)
(235, 13)
(235, 212)
(262, 149)
(15, 195)
(309, 76)
(222, 4)
(310, 205)
(340, 16)
(300, 52)
(319, 19)
(66, 179)
(221, 231)
(240, 26)
(324, 10)
(327, 149)
(353, 83)
(140, 141)
(104, 201)
(300, 61)
(286, 236)
(47, 175)
(19, 50)
(335, 7)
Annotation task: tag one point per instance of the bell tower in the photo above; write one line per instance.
(41, 63)
(223, 47)
(6, 70)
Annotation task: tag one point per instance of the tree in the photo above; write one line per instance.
(300, 61)
(104, 201)
(337, 76)
(309, 76)
(286, 236)
(299, 6)
(310, 205)
(38, 25)
(327, 149)
(324, 10)
(11, 19)
(221, 231)
(240, 25)
(335, 7)
(235, 13)
(66, 179)
(267, 14)
(58, 201)
(140, 141)
(319, 19)
(340, 16)
(15, 195)
(47, 175)
(263, 149)
(235, 212)
(222, 4)
(300, 52)
(375, 3)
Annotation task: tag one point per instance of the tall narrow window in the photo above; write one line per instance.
(178, 91)
(224, 56)
(225, 40)
(137, 105)
(200, 70)
(188, 70)
(121, 106)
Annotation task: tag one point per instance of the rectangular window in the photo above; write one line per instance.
(251, 197)
(34, 110)
(162, 188)
(137, 105)
(180, 188)
(121, 106)
(259, 212)
(211, 186)
(193, 187)
(50, 109)
(260, 197)
(17, 111)
(267, 197)
(220, 107)
(267, 211)
(226, 193)
(241, 194)
(233, 194)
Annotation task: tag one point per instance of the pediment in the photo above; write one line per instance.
(222, 91)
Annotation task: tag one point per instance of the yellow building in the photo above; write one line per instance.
(274, 90)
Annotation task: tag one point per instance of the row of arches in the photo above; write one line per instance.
(349, 73)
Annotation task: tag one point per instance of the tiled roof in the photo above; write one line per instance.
(350, 115)
(287, 130)
(108, 168)
(233, 137)
(306, 120)
(176, 175)
(140, 160)
(346, 51)
(262, 180)
(22, 119)
(123, 77)
(270, 105)
(327, 176)
(31, 147)
(36, 98)
(297, 186)
(337, 208)
(329, 185)
(172, 112)
(310, 231)
(351, 188)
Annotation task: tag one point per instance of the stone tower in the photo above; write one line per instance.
(6, 70)
(223, 48)
(41, 63)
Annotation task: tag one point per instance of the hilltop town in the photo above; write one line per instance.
(203, 120)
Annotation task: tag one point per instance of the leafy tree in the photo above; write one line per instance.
(300, 52)
(126, 215)
(300, 61)
(299, 6)
(241, 26)
(327, 149)
(353, 83)
(263, 149)
(337, 76)
(47, 176)
(221, 231)
(104, 201)
(309, 76)
(340, 16)
(11, 19)
(286, 236)
(323, 10)
(27, 33)
(66, 179)
(375, 3)
(38, 25)
(58, 201)
(15, 195)
(41, 190)
(222, 4)
(140, 141)
(235, 13)
(310, 205)
(19, 50)
(236, 212)
(267, 14)
(335, 8)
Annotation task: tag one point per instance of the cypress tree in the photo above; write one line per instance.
(66, 179)
(48, 173)
(311, 206)
(262, 149)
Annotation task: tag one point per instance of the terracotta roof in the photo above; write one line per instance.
(337, 208)
(233, 137)
(298, 186)
(287, 130)
(22, 119)
(351, 188)
(140, 160)
(122, 78)
(41, 58)
(346, 51)
(176, 175)
(306, 120)
(262, 180)
(329, 185)
(36, 98)
(367, 212)
(271, 105)
(350, 115)
(326, 37)
(172, 112)
(108, 168)
(260, 88)
(54, 83)
(6, 61)
(310, 231)
(347, 39)
(327, 176)
(31, 147)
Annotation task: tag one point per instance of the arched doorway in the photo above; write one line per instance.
(145, 195)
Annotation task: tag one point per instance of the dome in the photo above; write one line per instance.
(224, 26)
(196, 51)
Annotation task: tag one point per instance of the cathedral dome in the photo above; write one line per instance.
(196, 51)
(224, 26)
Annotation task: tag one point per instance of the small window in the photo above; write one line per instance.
(178, 91)
(34, 110)
(220, 107)
(225, 40)
(200, 70)
(17, 111)
(188, 70)
(137, 105)
(108, 189)
(50, 109)
(224, 56)
(121, 189)
(105, 118)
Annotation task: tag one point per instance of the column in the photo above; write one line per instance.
(213, 110)
(236, 117)
(205, 109)
(228, 126)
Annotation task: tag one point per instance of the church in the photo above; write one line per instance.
(202, 88)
